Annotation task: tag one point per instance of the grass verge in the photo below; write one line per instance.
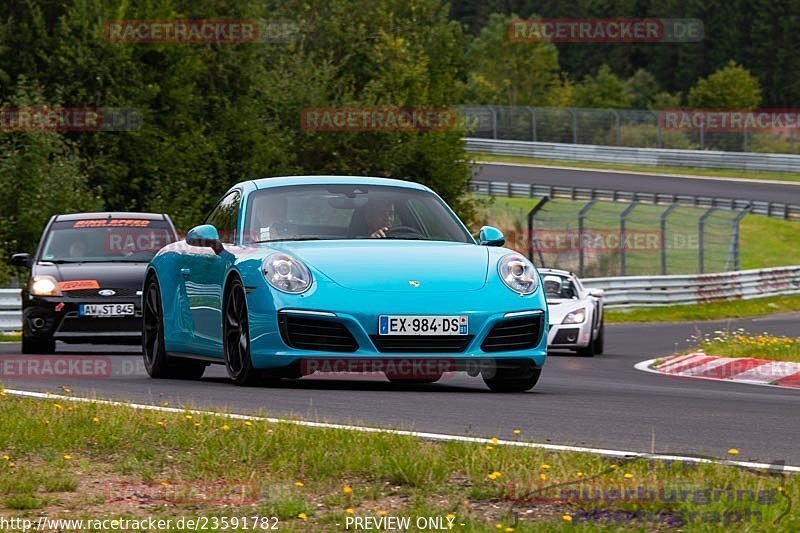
(712, 173)
(707, 311)
(10, 337)
(79, 460)
(740, 343)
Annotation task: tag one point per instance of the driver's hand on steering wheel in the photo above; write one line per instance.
(379, 233)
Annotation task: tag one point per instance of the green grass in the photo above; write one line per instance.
(59, 455)
(714, 173)
(10, 337)
(707, 311)
(740, 343)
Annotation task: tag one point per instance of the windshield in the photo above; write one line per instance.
(558, 287)
(330, 212)
(105, 239)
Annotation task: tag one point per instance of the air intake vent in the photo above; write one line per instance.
(421, 343)
(521, 333)
(305, 333)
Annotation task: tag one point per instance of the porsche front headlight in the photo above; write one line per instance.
(44, 286)
(286, 273)
(575, 317)
(518, 273)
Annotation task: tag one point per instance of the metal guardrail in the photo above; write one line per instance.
(10, 310)
(651, 291)
(637, 156)
(758, 207)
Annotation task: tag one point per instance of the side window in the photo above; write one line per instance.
(225, 216)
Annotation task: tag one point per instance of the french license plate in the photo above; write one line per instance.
(422, 325)
(105, 310)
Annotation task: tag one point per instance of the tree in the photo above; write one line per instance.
(732, 87)
(509, 72)
(604, 90)
(643, 88)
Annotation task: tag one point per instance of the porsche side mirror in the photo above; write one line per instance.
(206, 236)
(597, 293)
(489, 236)
(21, 260)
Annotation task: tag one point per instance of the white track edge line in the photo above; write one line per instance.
(641, 173)
(417, 434)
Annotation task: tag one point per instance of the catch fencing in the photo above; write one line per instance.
(636, 128)
(652, 291)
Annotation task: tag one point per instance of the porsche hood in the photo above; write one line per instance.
(395, 265)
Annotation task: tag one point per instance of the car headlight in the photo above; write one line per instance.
(286, 273)
(518, 273)
(575, 317)
(44, 286)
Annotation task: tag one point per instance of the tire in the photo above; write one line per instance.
(236, 337)
(518, 379)
(38, 345)
(588, 351)
(599, 341)
(157, 363)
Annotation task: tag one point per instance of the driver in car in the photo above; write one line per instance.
(379, 215)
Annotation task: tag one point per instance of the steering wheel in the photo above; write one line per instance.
(403, 230)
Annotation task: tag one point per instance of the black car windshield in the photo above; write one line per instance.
(105, 239)
(330, 212)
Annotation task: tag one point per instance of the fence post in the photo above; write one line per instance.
(531, 232)
(494, 121)
(624, 249)
(533, 122)
(700, 243)
(702, 137)
(733, 249)
(574, 126)
(663, 223)
(581, 216)
(618, 127)
(659, 132)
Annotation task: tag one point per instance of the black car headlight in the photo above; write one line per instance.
(44, 286)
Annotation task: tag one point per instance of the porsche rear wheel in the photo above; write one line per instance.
(510, 379)
(236, 337)
(156, 360)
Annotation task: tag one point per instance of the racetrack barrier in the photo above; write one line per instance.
(625, 155)
(10, 310)
(652, 291)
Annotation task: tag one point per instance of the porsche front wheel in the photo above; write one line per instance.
(511, 379)
(236, 337)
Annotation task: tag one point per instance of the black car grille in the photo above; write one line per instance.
(94, 293)
(514, 334)
(305, 333)
(421, 343)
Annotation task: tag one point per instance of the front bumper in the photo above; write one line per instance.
(57, 317)
(357, 312)
(569, 335)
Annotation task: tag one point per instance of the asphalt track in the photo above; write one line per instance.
(787, 192)
(597, 402)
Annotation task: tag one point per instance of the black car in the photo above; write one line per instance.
(87, 276)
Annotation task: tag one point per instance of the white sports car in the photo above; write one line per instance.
(576, 313)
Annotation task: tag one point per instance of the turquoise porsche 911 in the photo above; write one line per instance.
(291, 276)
